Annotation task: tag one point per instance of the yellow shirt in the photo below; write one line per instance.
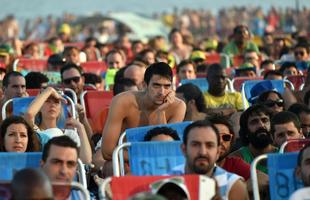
(228, 100)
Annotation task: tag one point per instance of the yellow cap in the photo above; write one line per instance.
(198, 55)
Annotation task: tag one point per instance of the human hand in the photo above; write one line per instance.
(72, 123)
(81, 112)
(168, 100)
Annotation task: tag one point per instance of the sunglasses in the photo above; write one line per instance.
(76, 79)
(226, 137)
(296, 53)
(271, 103)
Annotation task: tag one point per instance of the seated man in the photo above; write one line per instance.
(303, 113)
(216, 98)
(157, 104)
(201, 148)
(59, 162)
(285, 126)
(255, 135)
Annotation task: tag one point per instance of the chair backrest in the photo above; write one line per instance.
(12, 162)
(202, 83)
(198, 186)
(29, 64)
(294, 145)
(33, 92)
(20, 106)
(278, 85)
(154, 158)
(238, 81)
(137, 134)
(94, 102)
(282, 179)
(96, 67)
(149, 158)
(296, 80)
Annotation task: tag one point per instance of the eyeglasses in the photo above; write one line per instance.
(76, 79)
(271, 103)
(226, 137)
(296, 53)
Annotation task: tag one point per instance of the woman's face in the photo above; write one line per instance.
(16, 138)
(274, 102)
(51, 108)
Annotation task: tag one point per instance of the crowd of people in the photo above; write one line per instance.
(146, 79)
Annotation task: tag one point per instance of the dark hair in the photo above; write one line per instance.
(302, 45)
(263, 97)
(192, 92)
(252, 110)
(238, 27)
(224, 120)
(283, 118)
(200, 124)
(301, 154)
(91, 78)
(62, 141)
(266, 62)
(160, 68)
(185, 62)
(71, 66)
(286, 65)
(299, 108)
(120, 85)
(6, 78)
(173, 31)
(33, 141)
(214, 68)
(272, 72)
(26, 183)
(164, 130)
(35, 79)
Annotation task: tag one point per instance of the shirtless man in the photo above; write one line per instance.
(157, 104)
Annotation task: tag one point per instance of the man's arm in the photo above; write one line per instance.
(172, 111)
(113, 126)
(238, 191)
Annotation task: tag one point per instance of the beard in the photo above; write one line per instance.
(260, 139)
(202, 168)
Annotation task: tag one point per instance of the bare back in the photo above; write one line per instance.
(128, 110)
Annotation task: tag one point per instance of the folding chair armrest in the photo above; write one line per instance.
(254, 175)
(115, 158)
(74, 116)
(282, 148)
(290, 84)
(102, 188)
(3, 111)
(82, 173)
(72, 93)
(121, 153)
(82, 95)
(15, 64)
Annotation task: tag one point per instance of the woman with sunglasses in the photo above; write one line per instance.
(43, 114)
(272, 100)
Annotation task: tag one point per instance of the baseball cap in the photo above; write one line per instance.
(197, 55)
(173, 186)
(260, 88)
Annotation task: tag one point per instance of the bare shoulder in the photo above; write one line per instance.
(238, 191)
(178, 103)
(124, 98)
